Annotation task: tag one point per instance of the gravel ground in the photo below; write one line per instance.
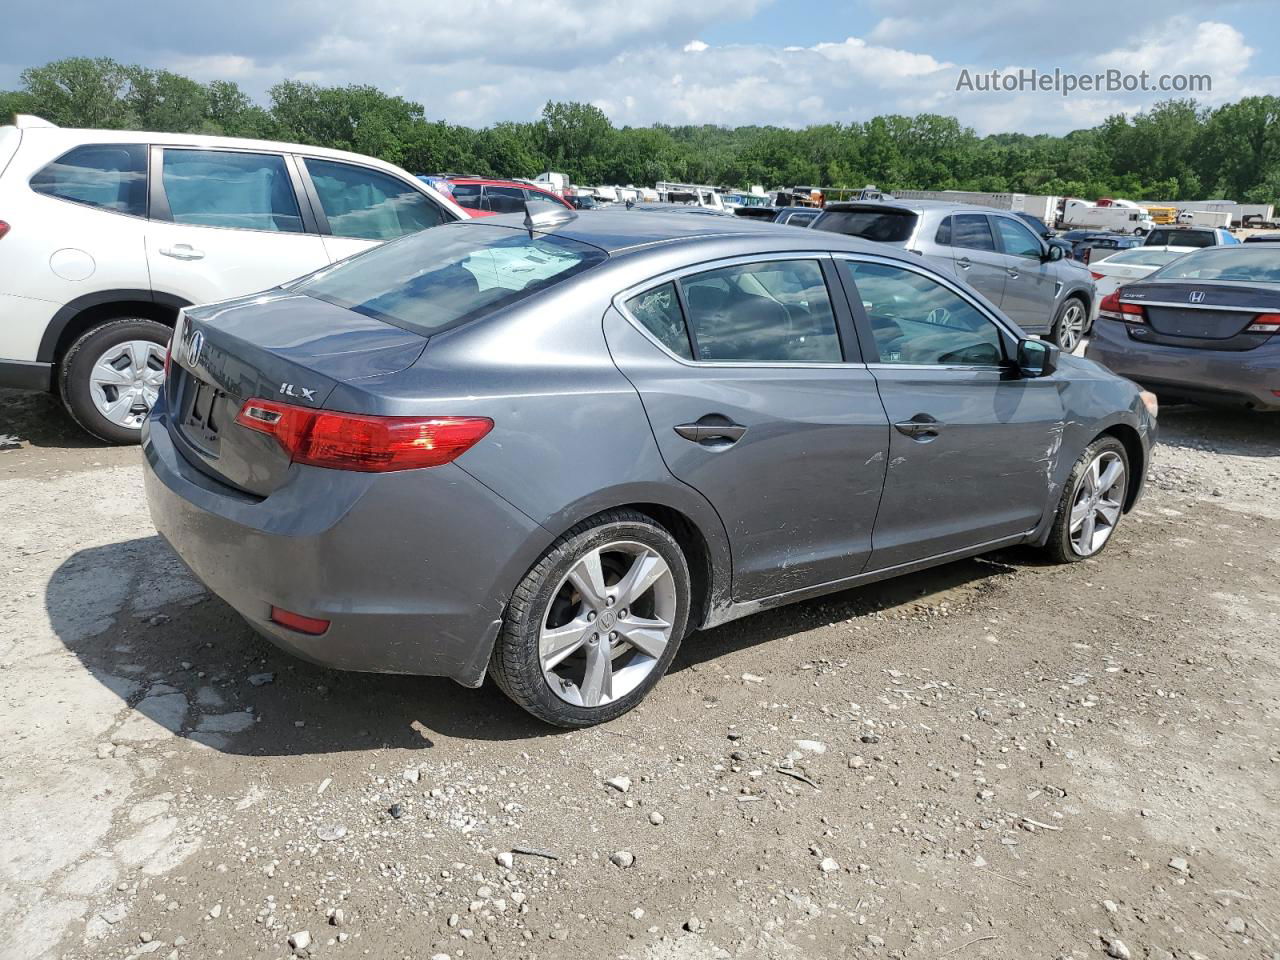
(993, 759)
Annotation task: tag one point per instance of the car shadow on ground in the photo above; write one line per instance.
(134, 618)
(1220, 430)
(41, 420)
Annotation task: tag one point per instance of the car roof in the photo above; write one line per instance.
(914, 206)
(500, 182)
(620, 230)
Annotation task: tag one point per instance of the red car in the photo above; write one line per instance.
(496, 196)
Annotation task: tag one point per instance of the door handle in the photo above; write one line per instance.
(182, 251)
(963, 263)
(921, 427)
(1013, 274)
(713, 428)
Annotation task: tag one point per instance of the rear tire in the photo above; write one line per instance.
(524, 663)
(110, 376)
(1070, 325)
(1069, 541)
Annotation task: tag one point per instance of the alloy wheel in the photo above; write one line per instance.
(1096, 507)
(1071, 326)
(608, 623)
(125, 381)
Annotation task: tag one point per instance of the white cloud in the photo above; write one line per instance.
(694, 46)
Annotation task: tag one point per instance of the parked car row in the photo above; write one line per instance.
(106, 235)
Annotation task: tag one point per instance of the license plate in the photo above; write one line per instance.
(201, 423)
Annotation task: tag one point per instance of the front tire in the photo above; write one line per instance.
(111, 376)
(1092, 503)
(594, 625)
(1070, 323)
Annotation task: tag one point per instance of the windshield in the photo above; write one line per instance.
(1225, 263)
(882, 225)
(439, 278)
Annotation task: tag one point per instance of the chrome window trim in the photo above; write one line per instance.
(620, 299)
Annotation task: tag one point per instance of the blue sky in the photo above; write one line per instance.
(677, 61)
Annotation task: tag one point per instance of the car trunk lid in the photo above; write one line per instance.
(1203, 310)
(278, 346)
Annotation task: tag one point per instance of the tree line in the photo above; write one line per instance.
(1176, 150)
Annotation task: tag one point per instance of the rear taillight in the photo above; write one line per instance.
(1113, 308)
(1265, 323)
(1096, 275)
(296, 621)
(369, 444)
(4, 228)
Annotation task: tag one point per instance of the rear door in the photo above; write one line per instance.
(761, 403)
(1030, 286)
(358, 207)
(972, 446)
(225, 223)
(977, 261)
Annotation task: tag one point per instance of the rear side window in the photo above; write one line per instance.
(943, 236)
(112, 176)
(776, 311)
(883, 226)
(972, 231)
(503, 199)
(222, 188)
(440, 278)
(658, 310)
(367, 204)
(467, 195)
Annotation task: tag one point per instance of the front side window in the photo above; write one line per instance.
(971, 230)
(220, 188)
(112, 176)
(1017, 240)
(440, 278)
(367, 204)
(916, 320)
(776, 311)
(658, 310)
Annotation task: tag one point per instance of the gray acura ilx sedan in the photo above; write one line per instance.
(548, 449)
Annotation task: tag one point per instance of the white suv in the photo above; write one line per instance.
(106, 234)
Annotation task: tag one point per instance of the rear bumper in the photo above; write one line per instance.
(26, 375)
(412, 569)
(1243, 378)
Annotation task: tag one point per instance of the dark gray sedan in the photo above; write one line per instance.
(550, 449)
(1205, 327)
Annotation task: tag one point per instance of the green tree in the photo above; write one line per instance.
(80, 92)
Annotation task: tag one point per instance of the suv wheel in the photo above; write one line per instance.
(594, 625)
(1092, 502)
(111, 376)
(1069, 325)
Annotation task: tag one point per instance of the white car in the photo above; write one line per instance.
(1125, 266)
(106, 234)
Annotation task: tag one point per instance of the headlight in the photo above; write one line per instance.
(1151, 402)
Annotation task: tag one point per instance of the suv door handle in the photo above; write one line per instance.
(712, 428)
(1013, 274)
(921, 427)
(182, 251)
(963, 263)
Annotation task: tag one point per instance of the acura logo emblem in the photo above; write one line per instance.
(194, 346)
(1196, 296)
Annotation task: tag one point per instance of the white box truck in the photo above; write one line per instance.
(1115, 218)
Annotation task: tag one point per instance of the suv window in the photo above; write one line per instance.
(440, 278)
(972, 230)
(112, 176)
(943, 236)
(917, 320)
(883, 225)
(503, 199)
(1180, 238)
(659, 311)
(221, 188)
(1016, 239)
(369, 205)
(775, 311)
(467, 195)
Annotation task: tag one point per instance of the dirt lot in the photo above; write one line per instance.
(995, 759)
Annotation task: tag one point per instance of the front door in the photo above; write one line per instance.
(758, 401)
(1030, 287)
(972, 445)
(225, 223)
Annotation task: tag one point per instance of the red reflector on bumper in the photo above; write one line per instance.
(296, 621)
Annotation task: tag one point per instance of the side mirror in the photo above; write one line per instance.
(1052, 254)
(1037, 358)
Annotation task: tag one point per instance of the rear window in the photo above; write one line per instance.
(440, 278)
(882, 226)
(112, 176)
(1143, 258)
(1249, 264)
(1181, 238)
